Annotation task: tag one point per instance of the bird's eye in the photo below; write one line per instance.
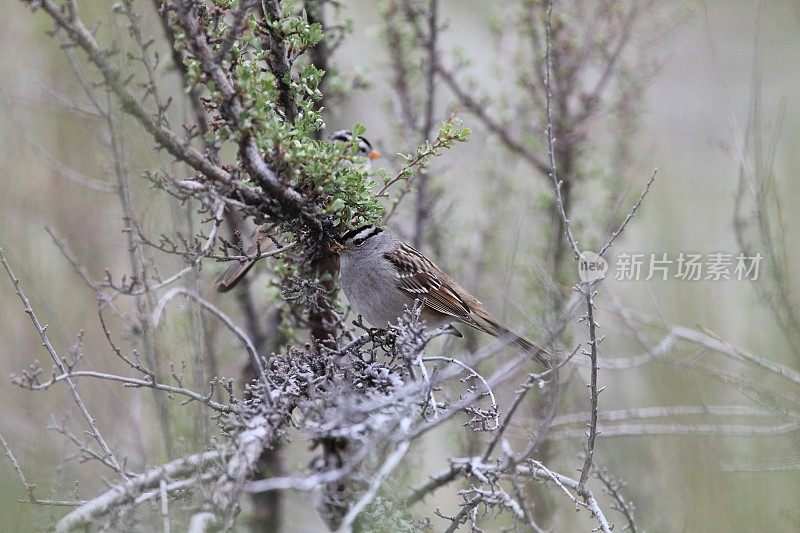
(358, 242)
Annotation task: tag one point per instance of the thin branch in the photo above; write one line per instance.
(613, 489)
(375, 483)
(83, 272)
(594, 391)
(247, 258)
(131, 488)
(469, 369)
(60, 364)
(530, 381)
(427, 379)
(229, 323)
(466, 509)
(162, 490)
(69, 174)
(133, 382)
(205, 251)
(625, 415)
(479, 109)
(540, 471)
(164, 136)
(28, 486)
(628, 218)
(551, 141)
(714, 342)
(641, 430)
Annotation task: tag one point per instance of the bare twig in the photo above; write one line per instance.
(628, 218)
(133, 382)
(28, 486)
(203, 252)
(42, 330)
(480, 110)
(377, 480)
(162, 490)
(167, 138)
(529, 383)
(621, 504)
(230, 324)
(539, 470)
(551, 141)
(131, 488)
(711, 341)
(593, 342)
(626, 415)
(639, 430)
(469, 369)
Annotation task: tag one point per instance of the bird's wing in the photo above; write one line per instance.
(420, 278)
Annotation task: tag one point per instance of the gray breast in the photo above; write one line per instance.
(372, 290)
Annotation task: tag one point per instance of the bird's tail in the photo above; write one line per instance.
(233, 274)
(237, 270)
(495, 328)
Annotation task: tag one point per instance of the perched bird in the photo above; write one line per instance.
(365, 148)
(382, 275)
(260, 241)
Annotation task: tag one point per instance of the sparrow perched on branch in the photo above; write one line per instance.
(382, 275)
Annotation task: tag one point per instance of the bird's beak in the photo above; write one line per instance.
(373, 155)
(335, 248)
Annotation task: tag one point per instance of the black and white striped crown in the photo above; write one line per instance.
(359, 235)
(347, 135)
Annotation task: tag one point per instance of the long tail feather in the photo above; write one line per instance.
(233, 275)
(540, 354)
(236, 271)
(496, 329)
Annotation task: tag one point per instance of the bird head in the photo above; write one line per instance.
(365, 148)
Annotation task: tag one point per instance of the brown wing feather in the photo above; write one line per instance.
(420, 278)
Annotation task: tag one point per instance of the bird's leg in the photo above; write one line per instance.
(450, 329)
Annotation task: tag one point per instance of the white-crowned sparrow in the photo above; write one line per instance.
(260, 241)
(382, 275)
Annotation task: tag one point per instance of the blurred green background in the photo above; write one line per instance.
(696, 106)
